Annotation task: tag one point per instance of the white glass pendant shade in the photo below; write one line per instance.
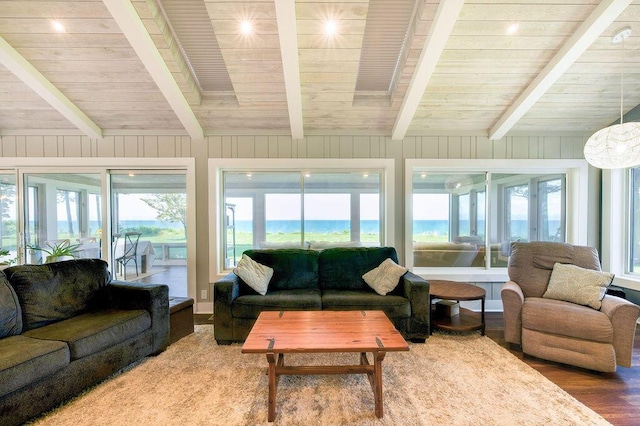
(614, 147)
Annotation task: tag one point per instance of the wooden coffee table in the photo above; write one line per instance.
(278, 333)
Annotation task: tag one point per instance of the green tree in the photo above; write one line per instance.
(170, 208)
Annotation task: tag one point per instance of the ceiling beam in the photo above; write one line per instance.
(134, 30)
(18, 65)
(599, 20)
(288, 34)
(443, 22)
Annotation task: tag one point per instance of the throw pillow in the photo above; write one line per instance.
(256, 275)
(578, 285)
(385, 277)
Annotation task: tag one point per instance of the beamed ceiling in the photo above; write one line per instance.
(393, 67)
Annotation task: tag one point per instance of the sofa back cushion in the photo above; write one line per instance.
(57, 291)
(292, 268)
(342, 268)
(10, 312)
(531, 264)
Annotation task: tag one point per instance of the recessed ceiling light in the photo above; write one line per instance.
(58, 26)
(513, 28)
(246, 27)
(330, 27)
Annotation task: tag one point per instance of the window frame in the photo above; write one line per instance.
(616, 227)
(218, 166)
(576, 172)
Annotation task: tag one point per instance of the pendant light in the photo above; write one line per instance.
(616, 146)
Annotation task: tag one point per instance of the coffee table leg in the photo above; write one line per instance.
(271, 358)
(377, 377)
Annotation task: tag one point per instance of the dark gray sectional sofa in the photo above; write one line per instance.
(65, 326)
(330, 279)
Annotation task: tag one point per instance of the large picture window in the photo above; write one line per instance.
(460, 216)
(308, 204)
(300, 209)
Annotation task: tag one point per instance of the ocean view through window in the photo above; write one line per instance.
(301, 209)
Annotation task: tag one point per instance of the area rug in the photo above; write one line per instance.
(450, 380)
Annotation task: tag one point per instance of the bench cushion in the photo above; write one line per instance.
(93, 332)
(24, 360)
(349, 300)
(250, 306)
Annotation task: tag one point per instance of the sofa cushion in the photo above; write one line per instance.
(24, 360)
(10, 311)
(385, 277)
(343, 268)
(254, 274)
(350, 300)
(250, 306)
(566, 319)
(292, 268)
(93, 332)
(57, 291)
(578, 285)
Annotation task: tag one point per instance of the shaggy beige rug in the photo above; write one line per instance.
(450, 380)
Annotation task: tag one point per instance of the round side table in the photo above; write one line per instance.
(465, 320)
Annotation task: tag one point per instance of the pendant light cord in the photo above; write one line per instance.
(622, 82)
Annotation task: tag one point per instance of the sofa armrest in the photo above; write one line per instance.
(416, 289)
(153, 298)
(623, 315)
(225, 290)
(512, 301)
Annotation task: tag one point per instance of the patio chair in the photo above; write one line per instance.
(129, 252)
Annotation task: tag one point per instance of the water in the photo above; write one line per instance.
(431, 227)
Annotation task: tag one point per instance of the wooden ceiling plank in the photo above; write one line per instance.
(134, 30)
(286, 18)
(598, 21)
(33, 78)
(445, 18)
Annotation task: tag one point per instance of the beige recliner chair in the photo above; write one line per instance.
(561, 331)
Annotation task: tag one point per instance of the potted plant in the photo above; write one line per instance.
(4, 263)
(58, 252)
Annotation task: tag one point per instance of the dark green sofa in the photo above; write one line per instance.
(65, 326)
(330, 279)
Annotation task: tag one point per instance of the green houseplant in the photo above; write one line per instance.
(58, 252)
(3, 261)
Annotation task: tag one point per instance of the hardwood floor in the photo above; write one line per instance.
(615, 396)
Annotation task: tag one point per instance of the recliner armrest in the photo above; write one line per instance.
(512, 301)
(623, 315)
(153, 298)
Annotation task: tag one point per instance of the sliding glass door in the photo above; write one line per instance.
(62, 210)
(149, 227)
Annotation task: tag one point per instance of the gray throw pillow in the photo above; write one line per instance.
(574, 284)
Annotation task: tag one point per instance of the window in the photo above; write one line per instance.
(8, 223)
(634, 221)
(458, 216)
(311, 204)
